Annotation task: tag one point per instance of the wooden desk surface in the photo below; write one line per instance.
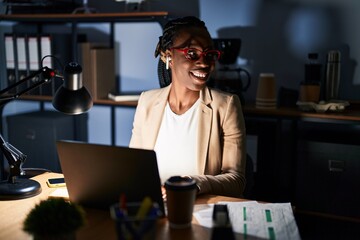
(99, 224)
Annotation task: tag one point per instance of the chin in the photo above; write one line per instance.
(198, 82)
(198, 87)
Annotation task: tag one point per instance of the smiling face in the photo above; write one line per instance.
(191, 74)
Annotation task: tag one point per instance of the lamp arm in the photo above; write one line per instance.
(15, 159)
(71, 98)
(47, 74)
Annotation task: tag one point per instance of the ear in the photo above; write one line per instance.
(166, 58)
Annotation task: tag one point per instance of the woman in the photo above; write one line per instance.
(195, 131)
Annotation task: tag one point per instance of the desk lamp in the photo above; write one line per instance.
(71, 98)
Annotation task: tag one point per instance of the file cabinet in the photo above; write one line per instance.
(328, 169)
(35, 134)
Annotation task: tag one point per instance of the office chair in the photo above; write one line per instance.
(249, 175)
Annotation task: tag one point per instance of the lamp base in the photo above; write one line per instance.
(22, 188)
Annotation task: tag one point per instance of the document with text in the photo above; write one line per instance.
(255, 220)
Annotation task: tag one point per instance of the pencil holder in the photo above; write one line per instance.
(131, 225)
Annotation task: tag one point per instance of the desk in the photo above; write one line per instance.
(99, 226)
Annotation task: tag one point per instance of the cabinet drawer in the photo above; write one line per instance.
(328, 178)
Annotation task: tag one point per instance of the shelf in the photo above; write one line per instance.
(160, 17)
(249, 110)
(107, 102)
(348, 115)
(87, 17)
(111, 18)
(114, 103)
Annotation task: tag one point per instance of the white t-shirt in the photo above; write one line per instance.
(176, 144)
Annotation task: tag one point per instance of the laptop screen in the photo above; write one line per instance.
(96, 175)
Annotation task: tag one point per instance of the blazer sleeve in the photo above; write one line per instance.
(225, 172)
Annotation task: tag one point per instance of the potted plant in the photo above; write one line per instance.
(54, 219)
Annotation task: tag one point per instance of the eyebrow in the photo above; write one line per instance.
(190, 44)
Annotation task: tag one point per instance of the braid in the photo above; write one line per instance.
(171, 29)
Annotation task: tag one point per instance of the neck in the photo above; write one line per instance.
(181, 100)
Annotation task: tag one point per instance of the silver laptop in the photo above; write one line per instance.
(96, 175)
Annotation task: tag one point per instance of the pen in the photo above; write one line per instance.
(121, 214)
(150, 220)
(122, 203)
(144, 208)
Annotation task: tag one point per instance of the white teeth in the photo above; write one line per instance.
(198, 74)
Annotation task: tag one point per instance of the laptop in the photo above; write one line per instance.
(96, 175)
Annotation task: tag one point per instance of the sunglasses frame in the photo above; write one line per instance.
(202, 53)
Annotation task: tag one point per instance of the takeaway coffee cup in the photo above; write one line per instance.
(266, 91)
(181, 194)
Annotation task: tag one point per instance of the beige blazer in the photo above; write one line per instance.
(221, 137)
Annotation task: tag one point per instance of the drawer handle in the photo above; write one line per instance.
(336, 166)
(30, 134)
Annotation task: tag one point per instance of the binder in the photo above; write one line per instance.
(33, 61)
(62, 49)
(86, 66)
(59, 47)
(103, 72)
(10, 60)
(21, 61)
(45, 50)
(98, 69)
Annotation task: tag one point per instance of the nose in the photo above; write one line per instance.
(204, 61)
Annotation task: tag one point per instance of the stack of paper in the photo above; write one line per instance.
(256, 220)
(123, 97)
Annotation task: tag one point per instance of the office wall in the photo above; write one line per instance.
(276, 37)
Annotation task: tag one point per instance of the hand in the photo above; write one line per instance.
(163, 192)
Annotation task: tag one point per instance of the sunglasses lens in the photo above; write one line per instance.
(212, 55)
(193, 54)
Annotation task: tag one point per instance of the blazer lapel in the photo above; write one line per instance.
(156, 114)
(205, 124)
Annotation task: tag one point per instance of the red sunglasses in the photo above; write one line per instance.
(194, 54)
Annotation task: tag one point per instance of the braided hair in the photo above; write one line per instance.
(170, 32)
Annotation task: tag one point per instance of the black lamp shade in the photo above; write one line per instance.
(72, 97)
(72, 102)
